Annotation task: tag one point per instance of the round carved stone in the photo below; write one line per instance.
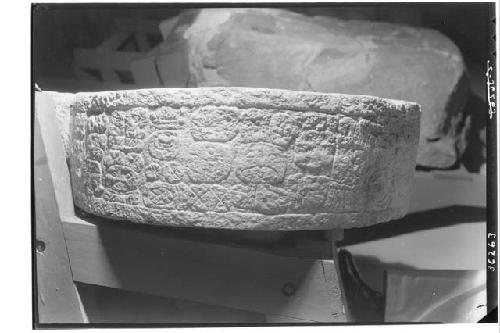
(242, 158)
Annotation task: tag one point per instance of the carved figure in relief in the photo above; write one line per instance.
(264, 199)
(261, 163)
(131, 198)
(127, 129)
(163, 145)
(342, 198)
(282, 129)
(309, 191)
(206, 198)
(311, 140)
(315, 162)
(215, 124)
(152, 172)
(378, 184)
(94, 185)
(314, 150)
(160, 195)
(312, 121)
(170, 172)
(93, 167)
(133, 160)
(97, 124)
(79, 121)
(349, 165)
(173, 172)
(121, 178)
(208, 162)
(165, 118)
(254, 126)
(94, 153)
(96, 140)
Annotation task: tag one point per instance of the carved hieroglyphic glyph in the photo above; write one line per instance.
(242, 158)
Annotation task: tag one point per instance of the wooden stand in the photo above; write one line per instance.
(286, 276)
(110, 63)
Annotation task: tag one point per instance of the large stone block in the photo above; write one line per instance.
(271, 48)
(243, 158)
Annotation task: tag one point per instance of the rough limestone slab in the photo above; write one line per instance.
(273, 48)
(243, 158)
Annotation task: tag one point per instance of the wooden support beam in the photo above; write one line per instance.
(142, 42)
(114, 42)
(145, 73)
(58, 300)
(104, 59)
(166, 26)
(174, 69)
(82, 74)
(166, 65)
(144, 26)
(149, 260)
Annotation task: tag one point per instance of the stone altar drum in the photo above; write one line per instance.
(242, 158)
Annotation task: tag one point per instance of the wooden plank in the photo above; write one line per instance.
(104, 59)
(276, 319)
(58, 300)
(81, 74)
(163, 66)
(56, 156)
(173, 66)
(113, 42)
(110, 76)
(166, 26)
(334, 236)
(433, 190)
(144, 26)
(111, 45)
(192, 312)
(151, 261)
(142, 42)
(144, 72)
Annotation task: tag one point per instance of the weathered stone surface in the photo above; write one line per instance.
(243, 158)
(273, 48)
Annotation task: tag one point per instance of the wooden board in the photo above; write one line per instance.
(173, 66)
(58, 300)
(166, 65)
(119, 255)
(114, 41)
(166, 26)
(104, 59)
(143, 26)
(145, 72)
